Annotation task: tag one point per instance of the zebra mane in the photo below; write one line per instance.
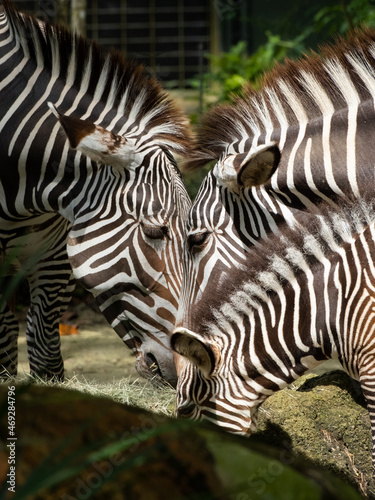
(281, 257)
(336, 77)
(123, 87)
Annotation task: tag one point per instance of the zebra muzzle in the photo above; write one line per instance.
(159, 367)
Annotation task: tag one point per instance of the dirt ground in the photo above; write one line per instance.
(96, 353)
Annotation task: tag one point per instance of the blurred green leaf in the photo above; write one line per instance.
(230, 70)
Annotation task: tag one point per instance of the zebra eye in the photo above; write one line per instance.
(186, 410)
(196, 241)
(155, 232)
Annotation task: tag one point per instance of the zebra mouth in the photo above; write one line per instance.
(158, 367)
(153, 365)
(153, 360)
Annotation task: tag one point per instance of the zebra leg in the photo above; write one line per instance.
(8, 341)
(49, 299)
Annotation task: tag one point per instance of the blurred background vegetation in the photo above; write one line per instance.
(292, 29)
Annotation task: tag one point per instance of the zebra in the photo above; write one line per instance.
(284, 157)
(89, 191)
(305, 296)
(299, 141)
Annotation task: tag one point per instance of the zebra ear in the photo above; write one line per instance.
(198, 352)
(94, 141)
(249, 169)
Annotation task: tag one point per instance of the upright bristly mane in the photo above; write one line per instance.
(124, 88)
(313, 84)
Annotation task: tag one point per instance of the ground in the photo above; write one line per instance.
(320, 421)
(96, 353)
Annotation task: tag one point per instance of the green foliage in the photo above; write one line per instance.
(344, 16)
(231, 70)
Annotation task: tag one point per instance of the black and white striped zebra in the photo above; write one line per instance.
(305, 296)
(109, 202)
(262, 300)
(304, 138)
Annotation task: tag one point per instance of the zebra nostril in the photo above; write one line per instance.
(186, 410)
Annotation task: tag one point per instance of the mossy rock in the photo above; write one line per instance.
(71, 445)
(325, 420)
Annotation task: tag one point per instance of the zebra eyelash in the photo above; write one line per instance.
(155, 232)
(197, 241)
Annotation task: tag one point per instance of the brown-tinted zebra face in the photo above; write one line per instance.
(127, 252)
(208, 389)
(220, 231)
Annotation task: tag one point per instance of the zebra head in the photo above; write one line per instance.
(213, 243)
(207, 383)
(132, 265)
(224, 221)
(92, 178)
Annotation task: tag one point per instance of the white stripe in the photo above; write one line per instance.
(310, 179)
(346, 86)
(364, 70)
(351, 160)
(21, 98)
(11, 76)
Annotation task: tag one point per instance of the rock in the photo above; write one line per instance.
(71, 445)
(323, 419)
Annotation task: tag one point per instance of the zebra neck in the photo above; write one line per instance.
(78, 191)
(117, 94)
(302, 298)
(8, 42)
